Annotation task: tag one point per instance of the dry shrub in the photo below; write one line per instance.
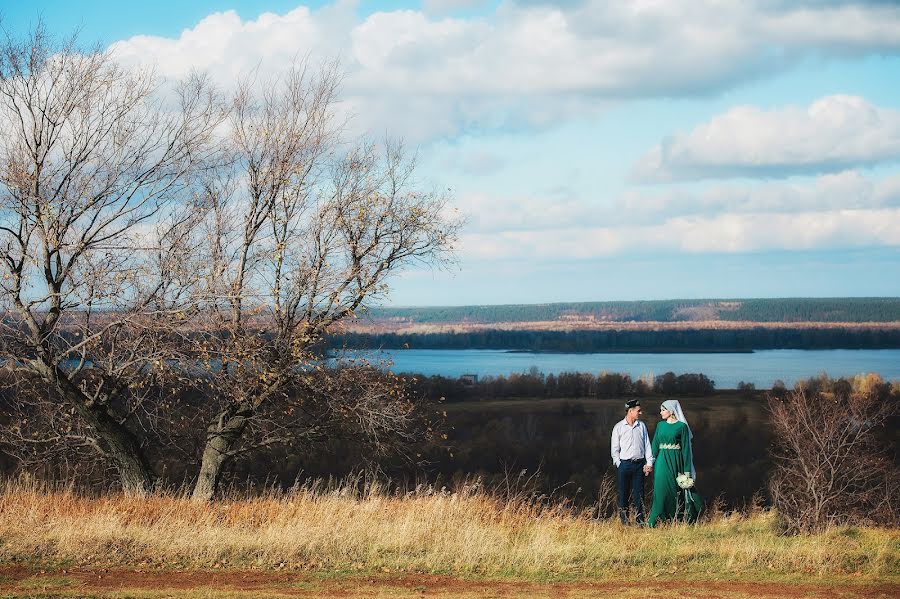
(831, 464)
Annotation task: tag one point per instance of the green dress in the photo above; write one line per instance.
(672, 456)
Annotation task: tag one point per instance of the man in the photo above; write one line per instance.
(633, 459)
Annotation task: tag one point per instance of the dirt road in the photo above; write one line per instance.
(25, 582)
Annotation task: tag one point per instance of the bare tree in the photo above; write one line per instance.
(300, 232)
(146, 243)
(831, 465)
(95, 187)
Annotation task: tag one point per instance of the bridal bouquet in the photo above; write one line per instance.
(684, 481)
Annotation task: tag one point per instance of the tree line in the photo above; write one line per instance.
(845, 309)
(537, 385)
(700, 339)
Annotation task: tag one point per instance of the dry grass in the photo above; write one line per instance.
(464, 534)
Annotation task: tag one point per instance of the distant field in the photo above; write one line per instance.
(792, 310)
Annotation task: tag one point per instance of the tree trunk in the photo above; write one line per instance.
(120, 444)
(123, 448)
(221, 438)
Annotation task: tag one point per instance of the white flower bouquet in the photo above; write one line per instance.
(684, 481)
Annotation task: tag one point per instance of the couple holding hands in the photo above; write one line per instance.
(668, 458)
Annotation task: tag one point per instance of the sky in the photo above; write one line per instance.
(598, 149)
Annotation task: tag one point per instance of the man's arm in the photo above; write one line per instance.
(615, 446)
(648, 450)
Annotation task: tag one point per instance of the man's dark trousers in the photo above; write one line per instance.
(630, 478)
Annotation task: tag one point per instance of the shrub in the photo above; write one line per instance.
(830, 466)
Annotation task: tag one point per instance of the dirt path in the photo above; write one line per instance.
(24, 582)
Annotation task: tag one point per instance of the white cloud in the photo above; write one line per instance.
(841, 26)
(845, 210)
(727, 233)
(563, 209)
(831, 134)
(848, 190)
(422, 76)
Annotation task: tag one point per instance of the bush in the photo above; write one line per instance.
(830, 466)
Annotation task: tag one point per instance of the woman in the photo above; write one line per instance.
(673, 468)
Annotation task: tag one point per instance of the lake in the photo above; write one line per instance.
(761, 368)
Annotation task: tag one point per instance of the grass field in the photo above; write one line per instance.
(317, 541)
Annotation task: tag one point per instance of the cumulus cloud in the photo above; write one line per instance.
(727, 233)
(833, 133)
(423, 75)
(848, 190)
(502, 213)
(845, 210)
(565, 209)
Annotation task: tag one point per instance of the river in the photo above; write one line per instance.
(761, 368)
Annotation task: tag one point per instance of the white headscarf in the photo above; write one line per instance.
(674, 406)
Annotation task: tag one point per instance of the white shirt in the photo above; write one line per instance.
(630, 442)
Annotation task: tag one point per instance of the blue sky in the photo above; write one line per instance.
(600, 150)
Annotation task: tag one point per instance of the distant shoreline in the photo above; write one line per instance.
(575, 326)
(660, 350)
(666, 338)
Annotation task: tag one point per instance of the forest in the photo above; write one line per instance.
(699, 339)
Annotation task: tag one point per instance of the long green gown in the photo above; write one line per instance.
(672, 456)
